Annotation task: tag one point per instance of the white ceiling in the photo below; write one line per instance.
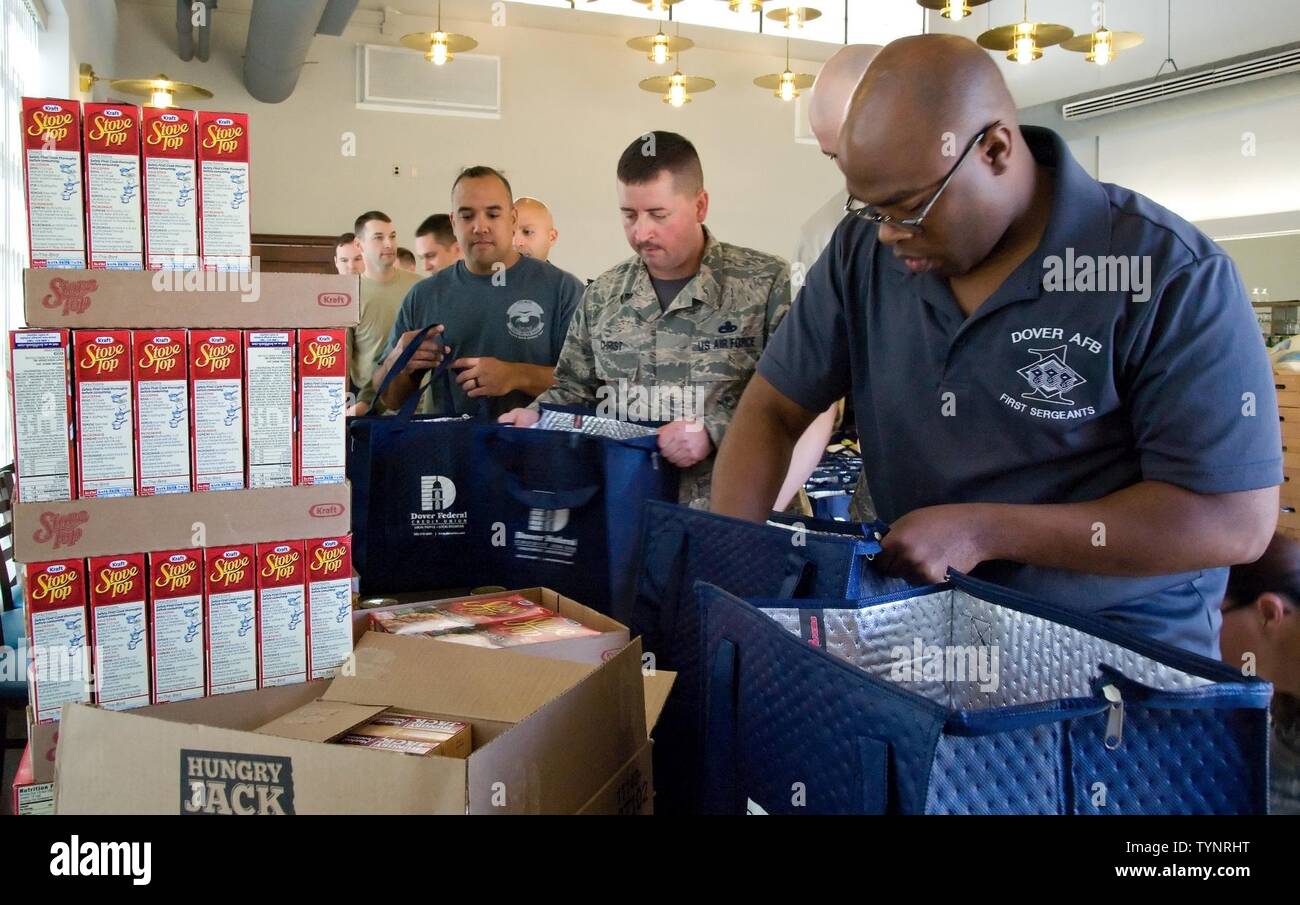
(1203, 30)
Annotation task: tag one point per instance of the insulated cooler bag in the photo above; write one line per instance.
(967, 698)
(784, 558)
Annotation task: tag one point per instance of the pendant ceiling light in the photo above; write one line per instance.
(794, 17)
(1024, 41)
(439, 47)
(786, 85)
(658, 6)
(660, 48)
(956, 10)
(1103, 44)
(161, 91)
(677, 88)
(744, 6)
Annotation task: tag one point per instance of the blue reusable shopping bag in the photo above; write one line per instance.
(968, 698)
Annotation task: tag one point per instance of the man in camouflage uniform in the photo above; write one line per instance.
(674, 333)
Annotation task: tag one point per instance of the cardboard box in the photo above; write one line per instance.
(171, 182)
(58, 635)
(281, 614)
(225, 232)
(45, 531)
(217, 409)
(123, 298)
(322, 402)
(329, 604)
(119, 630)
(33, 790)
(52, 173)
(176, 633)
(40, 400)
(613, 635)
(162, 412)
(423, 735)
(548, 734)
(114, 228)
(269, 406)
(230, 618)
(105, 437)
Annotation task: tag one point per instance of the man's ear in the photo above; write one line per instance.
(999, 148)
(701, 205)
(555, 235)
(1271, 609)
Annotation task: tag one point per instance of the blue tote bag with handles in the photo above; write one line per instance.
(571, 504)
(418, 520)
(786, 558)
(968, 698)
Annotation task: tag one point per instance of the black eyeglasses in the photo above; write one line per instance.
(872, 213)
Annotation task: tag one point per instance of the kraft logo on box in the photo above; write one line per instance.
(333, 300)
(225, 782)
(73, 296)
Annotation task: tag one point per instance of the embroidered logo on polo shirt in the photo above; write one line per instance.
(524, 319)
(1052, 379)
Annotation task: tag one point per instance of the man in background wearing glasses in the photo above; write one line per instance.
(1109, 445)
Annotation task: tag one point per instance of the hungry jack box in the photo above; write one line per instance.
(230, 618)
(40, 391)
(281, 614)
(105, 440)
(217, 409)
(114, 232)
(171, 206)
(224, 224)
(118, 630)
(329, 603)
(269, 409)
(58, 633)
(323, 378)
(52, 172)
(162, 412)
(176, 624)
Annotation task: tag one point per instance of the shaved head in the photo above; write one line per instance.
(535, 231)
(833, 91)
(920, 104)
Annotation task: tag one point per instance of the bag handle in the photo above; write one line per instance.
(442, 371)
(720, 728)
(566, 498)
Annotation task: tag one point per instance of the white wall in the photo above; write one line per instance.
(76, 32)
(570, 104)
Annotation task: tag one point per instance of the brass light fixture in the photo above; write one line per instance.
(660, 48)
(1103, 44)
(786, 85)
(744, 6)
(1024, 41)
(440, 47)
(956, 10)
(658, 6)
(794, 17)
(161, 91)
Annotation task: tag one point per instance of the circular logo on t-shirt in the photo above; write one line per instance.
(524, 319)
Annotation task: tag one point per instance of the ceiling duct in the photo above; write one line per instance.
(280, 33)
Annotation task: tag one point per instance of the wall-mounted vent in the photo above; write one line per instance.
(401, 80)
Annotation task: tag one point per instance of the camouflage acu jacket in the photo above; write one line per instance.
(629, 359)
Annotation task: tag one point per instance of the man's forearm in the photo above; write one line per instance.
(403, 385)
(533, 379)
(750, 467)
(1151, 528)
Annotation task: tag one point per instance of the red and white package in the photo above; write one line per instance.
(322, 403)
(329, 603)
(225, 231)
(105, 427)
(230, 618)
(162, 412)
(118, 630)
(40, 400)
(269, 407)
(171, 189)
(58, 634)
(176, 625)
(114, 226)
(217, 409)
(281, 614)
(56, 230)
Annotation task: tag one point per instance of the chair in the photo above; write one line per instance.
(13, 693)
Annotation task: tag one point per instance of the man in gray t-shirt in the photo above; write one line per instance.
(503, 317)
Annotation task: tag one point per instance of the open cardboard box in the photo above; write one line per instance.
(613, 635)
(103, 299)
(142, 524)
(33, 787)
(550, 737)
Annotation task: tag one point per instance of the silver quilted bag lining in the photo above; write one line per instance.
(991, 656)
(590, 424)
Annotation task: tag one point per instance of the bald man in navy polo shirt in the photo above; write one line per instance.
(1060, 385)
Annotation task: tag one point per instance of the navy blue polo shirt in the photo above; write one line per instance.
(1123, 349)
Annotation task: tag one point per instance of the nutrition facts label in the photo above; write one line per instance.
(171, 214)
(40, 386)
(54, 206)
(270, 415)
(324, 457)
(163, 409)
(122, 652)
(284, 636)
(225, 221)
(331, 626)
(232, 642)
(113, 187)
(178, 648)
(107, 451)
(218, 435)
